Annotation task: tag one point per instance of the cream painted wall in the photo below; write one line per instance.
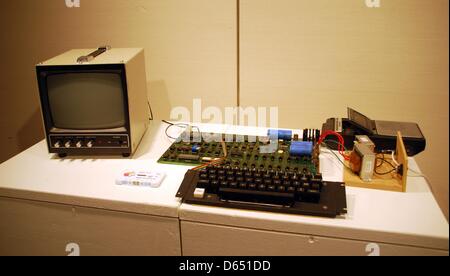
(312, 59)
(190, 49)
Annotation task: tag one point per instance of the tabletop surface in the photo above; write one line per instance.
(411, 218)
(36, 174)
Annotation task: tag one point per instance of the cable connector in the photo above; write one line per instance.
(400, 170)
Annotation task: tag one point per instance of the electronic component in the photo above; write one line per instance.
(299, 148)
(382, 133)
(363, 161)
(144, 179)
(190, 157)
(311, 135)
(195, 148)
(364, 139)
(280, 134)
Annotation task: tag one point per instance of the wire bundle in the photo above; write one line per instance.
(340, 143)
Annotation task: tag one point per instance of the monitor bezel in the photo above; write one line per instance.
(44, 71)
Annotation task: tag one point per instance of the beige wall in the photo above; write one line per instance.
(311, 58)
(190, 49)
(315, 58)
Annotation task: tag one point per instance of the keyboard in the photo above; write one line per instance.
(291, 192)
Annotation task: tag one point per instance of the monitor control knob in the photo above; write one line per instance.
(79, 145)
(68, 144)
(57, 144)
(90, 144)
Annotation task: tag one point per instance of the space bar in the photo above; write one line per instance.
(258, 196)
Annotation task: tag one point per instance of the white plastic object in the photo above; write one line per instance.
(199, 193)
(140, 178)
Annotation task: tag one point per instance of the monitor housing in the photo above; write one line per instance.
(94, 106)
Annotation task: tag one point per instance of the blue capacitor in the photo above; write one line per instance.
(195, 148)
(300, 148)
(280, 134)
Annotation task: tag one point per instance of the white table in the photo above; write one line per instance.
(50, 202)
(47, 203)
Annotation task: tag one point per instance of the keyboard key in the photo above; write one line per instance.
(243, 186)
(203, 183)
(199, 193)
(291, 189)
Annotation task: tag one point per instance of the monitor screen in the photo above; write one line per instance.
(86, 101)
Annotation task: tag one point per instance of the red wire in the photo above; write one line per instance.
(341, 141)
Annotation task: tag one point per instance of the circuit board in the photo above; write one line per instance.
(254, 152)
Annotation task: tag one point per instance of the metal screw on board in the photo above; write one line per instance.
(325, 207)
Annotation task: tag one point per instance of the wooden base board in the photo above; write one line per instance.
(389, 182)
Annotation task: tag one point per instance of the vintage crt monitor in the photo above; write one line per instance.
(382, 133)
(94, 101)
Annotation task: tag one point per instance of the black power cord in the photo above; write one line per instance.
(383, 160)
